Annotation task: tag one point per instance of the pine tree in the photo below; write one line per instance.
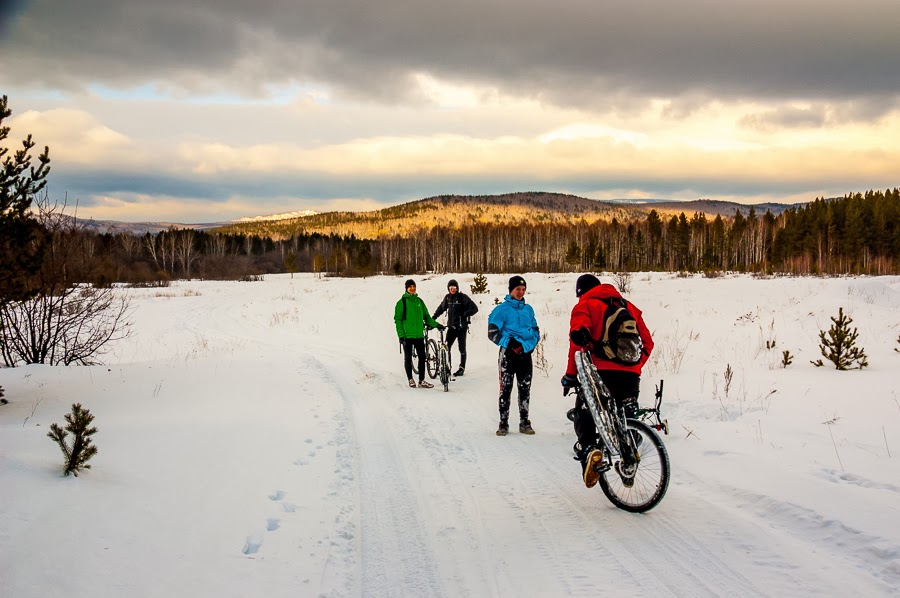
(573, 254)
(21, 236)
(479, 287)
(838, 344)
(78, 423)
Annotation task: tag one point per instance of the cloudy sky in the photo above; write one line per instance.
(197, 111)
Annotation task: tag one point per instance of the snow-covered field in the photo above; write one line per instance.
(259, 439)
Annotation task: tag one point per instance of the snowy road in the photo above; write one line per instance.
(302, 465)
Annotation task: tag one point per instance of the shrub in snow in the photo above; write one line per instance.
(623, 282)
(2, 400)
(786, 359)
(838, 344)
(79, 424)
(479, 287)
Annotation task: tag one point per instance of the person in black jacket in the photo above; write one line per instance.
(459, 309)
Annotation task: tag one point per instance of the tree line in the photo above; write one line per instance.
(856, 234)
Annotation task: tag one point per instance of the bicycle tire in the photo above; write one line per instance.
(431, 358)
(651, 481)
(445, 370)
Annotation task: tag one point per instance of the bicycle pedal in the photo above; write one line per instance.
(602, 468)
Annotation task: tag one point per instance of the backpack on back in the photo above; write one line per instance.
(621, 342)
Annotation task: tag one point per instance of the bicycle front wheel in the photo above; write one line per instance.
(445, 370)
(651, 480)
(431, 358)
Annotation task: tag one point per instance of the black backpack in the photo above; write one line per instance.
(621, 342)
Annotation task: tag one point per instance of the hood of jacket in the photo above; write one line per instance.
(601, 291)
(517, 303)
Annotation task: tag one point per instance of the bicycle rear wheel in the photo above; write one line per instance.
(431, 358)
(651, 480)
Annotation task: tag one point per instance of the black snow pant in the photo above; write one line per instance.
(517, 366)
(419, 344)
(452, 335)
(624, 388)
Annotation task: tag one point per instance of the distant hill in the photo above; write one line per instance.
(457, 210)
(141, 228)
(711, 207)
(285, 216)
(449, 211)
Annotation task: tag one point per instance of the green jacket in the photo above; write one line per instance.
(413, 326)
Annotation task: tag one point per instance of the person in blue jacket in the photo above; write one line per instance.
(513, 328)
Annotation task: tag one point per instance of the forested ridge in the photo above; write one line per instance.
(443, 210)
(856, 234)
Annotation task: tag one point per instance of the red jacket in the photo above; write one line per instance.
(588, 313)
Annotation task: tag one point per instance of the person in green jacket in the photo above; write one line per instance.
(411, 317)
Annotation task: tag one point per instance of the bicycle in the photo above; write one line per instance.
(635, 469)
(437, 359)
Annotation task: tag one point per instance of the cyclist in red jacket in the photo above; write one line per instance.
(619, 366)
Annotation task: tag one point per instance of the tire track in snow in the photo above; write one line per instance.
(395, 557)
(809, 531)
(567, 526)
(339, 572)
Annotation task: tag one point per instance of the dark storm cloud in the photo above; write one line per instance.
(577, 52)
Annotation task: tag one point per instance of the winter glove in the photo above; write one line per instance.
(581, 337)
(514, 346)
(568, 383)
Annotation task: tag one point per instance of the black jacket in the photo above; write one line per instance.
(459, 309)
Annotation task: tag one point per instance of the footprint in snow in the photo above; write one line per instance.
(272, 524)
(279, 494)
(251, 546)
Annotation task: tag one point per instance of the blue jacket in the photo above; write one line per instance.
(514, 319)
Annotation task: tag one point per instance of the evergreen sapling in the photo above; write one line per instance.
(79, 424)
(838, 344)
(479, 287)
(786, 358)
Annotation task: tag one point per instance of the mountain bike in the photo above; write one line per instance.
(634, 474)
(437, 359)
(431, 356)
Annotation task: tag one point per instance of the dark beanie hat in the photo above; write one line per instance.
(516, 281)
(409, 283)
(452, 283)
(585, 283)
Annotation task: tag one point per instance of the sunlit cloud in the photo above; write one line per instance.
(276, 107)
